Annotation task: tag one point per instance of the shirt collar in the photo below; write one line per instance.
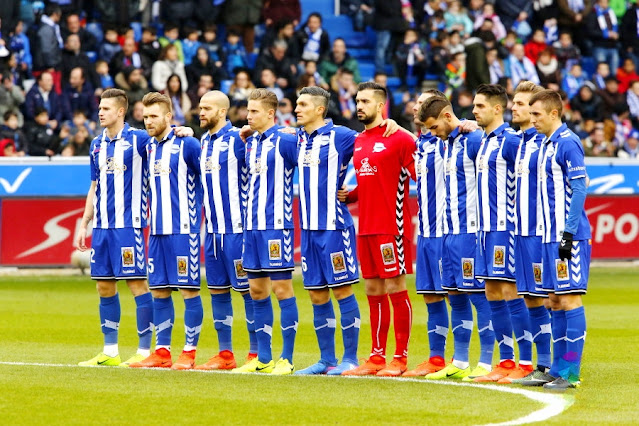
(268, 133)
(453, 135)
(224, 130)
(168, 136)
(326, 128)
(555, 135)
(105, 137)
(498, 131)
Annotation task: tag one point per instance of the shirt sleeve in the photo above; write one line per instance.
(94, 172)
(407, 154)
(511, 145)
(288, 148)
(192, 154)
(473, 144)
(572, 159)
(345, 142)
(577, 203)
(240, 149)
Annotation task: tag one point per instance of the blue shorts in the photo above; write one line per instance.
(329, 258)
(458, 263)
(270, 250)
(528, 266)
(118, 254)
(428, 279)
(567, 277)
(495, 255)
(223, 260)
(174, 261)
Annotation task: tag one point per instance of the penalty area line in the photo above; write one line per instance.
(554, 404)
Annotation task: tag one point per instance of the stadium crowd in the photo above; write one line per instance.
(57, 56)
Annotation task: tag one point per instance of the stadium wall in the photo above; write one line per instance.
(41, 205)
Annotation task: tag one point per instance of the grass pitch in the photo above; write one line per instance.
(48, 324)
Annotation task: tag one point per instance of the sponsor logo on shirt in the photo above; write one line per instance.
(451, 167)
(366, 169)
(522, 168)
(422, 169)
(158, 170)
(113, 166)
(258, 168)
(209, 166)
(574, 169)
(379, 147)
(309, 161)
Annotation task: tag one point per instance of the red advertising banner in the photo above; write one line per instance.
(40, 232)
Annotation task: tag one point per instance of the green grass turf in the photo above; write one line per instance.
(54, 320)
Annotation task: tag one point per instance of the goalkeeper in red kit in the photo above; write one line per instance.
(383, 166)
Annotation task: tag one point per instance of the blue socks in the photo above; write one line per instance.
(521, 327)
(110, 318)
(263, 311)
(163, 319)
(324, 322)
(541, 332)
(575, 338)
(503, 329)
(437, 327)
(350, 322)
(223, 319)
(193, 317)
(484, 328)
(250, 322)
(289, 320)
(462, 324)
(558, 319)
(144, 316)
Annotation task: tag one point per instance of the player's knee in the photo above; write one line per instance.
(396, 284)
(319, 297)
(189, 293)
(219, 291)
(138, 287)
(509, 290)
(106, 288)
(494, 291)
(343, 292)
(283, 289)
(570, 301)
(161, 293)
(533, 302)
(432, 298)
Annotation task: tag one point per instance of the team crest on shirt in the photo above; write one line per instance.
(561, 267)
(388, 253)
(339, 264)
(127, 257)
(113, 166)
(451, 166)
(158, 170)
(309, 160)
(422, 169)
(379, 147)
(258, 168)
(275, 249)
(482, 162)
(522, 168)
(537, 273)
(366, 169)
(499, 255)
(468, 267)
(182, 266)
(240, 273)
(209, 166)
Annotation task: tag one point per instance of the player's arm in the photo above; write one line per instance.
(392, 127)
(192, 152)
(408, 149)
(80, 241)
(346, 196)
(245, 132)
(574, 169)
(468, 126)
(288, 148)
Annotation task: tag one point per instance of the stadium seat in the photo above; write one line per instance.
(393, 82)
(325, 7)
(225, 85)
(95, 28)
(93, 56)
(137, 31)
(397, 97)
(588, 65)
(366, 70)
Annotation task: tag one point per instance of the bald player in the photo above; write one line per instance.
(224, 179)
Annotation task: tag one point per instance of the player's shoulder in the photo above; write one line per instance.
(474, 137)
(287, 137)
(344, 131)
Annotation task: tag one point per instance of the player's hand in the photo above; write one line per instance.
(391, 127)
(565, 246)
(183, 131)
(80, 239)
(245, 132)
(468, 126)
(342, 194)
(289, 130)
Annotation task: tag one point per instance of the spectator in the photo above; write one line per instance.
(611, 96)
(167, 65)
(40, 136)
(410, 58)
(241, 16)
(277, 11)
(12, 129)
(276, 60)
(360, 11)
(477, 71)
(8, 149)
(238, 113)
(284, 115)
(572, 14)
(190, 44)
(179, 12)
(567, 53)
(179, 100)
(311, 41)
(535, 45)
(268, 80)
(283, 30)
(87, 40)
(344, 91)
(9, 14)
(149, 45)
(79, 143)
(19, 44)
(630, 33)
(171, 36)
(305, 80)
(573, 81)
(464, 107)
(212, 45)
(439, 57)
(47, 46)
(632, 98)
(203, 65)
(117, 12)
(596, 144)
(499, 70)
(339, 58)
(587, 103)
(102, 71)
(630, 148)
(381, 78)
(129, 57)
(488, 14)
(601, 73)
(110, 45)
(602, 31)
(78, 96)
(522, 28)
(242, 86)
(457, 19)
(548, 68)
(136, 116)
(513, 11)
(73, 57)
(456, 74)
(456, 44)
(310, 67)
(42, 95)
(203, 85)
(132, 81)
(521, 68)
(11, 97)
(234, 53)
(387, 19)
(626, 75)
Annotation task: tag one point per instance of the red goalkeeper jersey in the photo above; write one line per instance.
(383, 167)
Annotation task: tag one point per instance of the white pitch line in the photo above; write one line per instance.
(555, 404)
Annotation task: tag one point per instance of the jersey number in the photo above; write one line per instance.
(150, 262)
(304, 267)
(92, 260)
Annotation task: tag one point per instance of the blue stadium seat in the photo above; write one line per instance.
(137, 31)
(397, 97)
(93, 56)
(325, 7)
(393, 82)
(225, 85)
(95, 28)
(251, 58)
(366, 70)
(339, 26)
(588, 65)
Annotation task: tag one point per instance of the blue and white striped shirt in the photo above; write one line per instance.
(120, 168)
(561, 160)
(322, 162)
(528, 201)
(176, 190)
(496, 179)
(431, 188)
(271, 158)
(460, 153)
(224, 179)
